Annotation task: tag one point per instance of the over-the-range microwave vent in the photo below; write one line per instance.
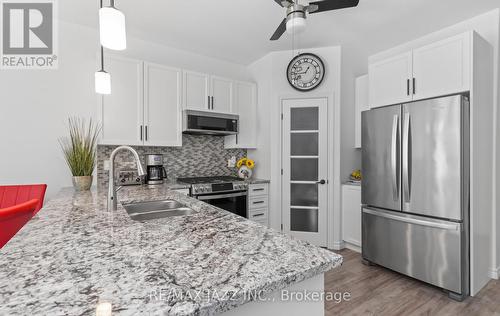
(210, 123)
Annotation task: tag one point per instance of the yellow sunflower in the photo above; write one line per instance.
(250, 163)
(241, 162)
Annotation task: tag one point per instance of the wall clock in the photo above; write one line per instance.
(305, 72)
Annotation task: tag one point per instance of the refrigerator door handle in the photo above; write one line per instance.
(394, 157)
(406, 157)
(414, 221)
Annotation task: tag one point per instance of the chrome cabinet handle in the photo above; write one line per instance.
(407, 158)
(394, 157)
(414, 86)
(212, 102)
(321, 182)
(407, 86)
(141, 132)
(259, 189)
(146, 133)
(208, 102)
(258, 202)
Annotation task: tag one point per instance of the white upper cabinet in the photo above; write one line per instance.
(122, 110)
(361, 104)
(438, 69)
(442, 68)
(221, 95)
(162, 105)
(390, 80)
(196, 91)
(245, 105)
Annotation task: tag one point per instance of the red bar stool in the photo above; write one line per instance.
(13, 218)
(11, 195)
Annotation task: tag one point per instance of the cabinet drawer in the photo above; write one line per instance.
(258, 202)
(259, 214)
(257, 189)
(262, 222)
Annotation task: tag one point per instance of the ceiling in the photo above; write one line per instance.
(239, 30)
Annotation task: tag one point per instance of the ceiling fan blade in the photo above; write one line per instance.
(284, 3)
(311, 8)
(328, 5)
(279, 31)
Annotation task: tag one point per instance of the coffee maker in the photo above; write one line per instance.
(156, 173)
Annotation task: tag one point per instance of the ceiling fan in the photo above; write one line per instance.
(296, 14)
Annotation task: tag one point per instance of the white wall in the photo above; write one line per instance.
(36, 104)
(270, 74)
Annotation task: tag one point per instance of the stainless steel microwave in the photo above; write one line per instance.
(210, 123)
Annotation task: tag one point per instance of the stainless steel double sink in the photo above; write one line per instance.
(144, 211)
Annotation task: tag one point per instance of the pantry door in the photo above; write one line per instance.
(305, 169)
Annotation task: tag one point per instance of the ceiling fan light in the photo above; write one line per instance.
(112, 28)
(102, 82)
(295, 25)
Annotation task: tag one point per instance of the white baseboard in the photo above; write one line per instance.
(352, 247)
(495, 273)
(339, 245)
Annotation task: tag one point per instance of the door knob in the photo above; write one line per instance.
(321, 182)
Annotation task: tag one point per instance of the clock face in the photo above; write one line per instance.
(305, 72)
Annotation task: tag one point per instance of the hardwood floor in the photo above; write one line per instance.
(378, 291)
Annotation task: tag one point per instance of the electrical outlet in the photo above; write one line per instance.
(231, 163)
(106, 165)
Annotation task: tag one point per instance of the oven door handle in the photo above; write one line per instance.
(221, 196)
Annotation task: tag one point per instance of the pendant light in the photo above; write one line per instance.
(102, 78)
(112, 27)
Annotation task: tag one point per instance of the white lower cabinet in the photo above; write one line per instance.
(258, 203)
(351, 216)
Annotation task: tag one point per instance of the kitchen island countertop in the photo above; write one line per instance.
(75, 254)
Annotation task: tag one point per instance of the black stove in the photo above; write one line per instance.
(226, 192)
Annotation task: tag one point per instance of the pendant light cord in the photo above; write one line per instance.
(102, 58)
(102, 48)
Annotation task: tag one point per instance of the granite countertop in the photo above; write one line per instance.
(75, 254)
(257, 181)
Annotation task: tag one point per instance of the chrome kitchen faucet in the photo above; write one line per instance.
(112, 202)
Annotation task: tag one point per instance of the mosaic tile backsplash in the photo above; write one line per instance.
(200, 155)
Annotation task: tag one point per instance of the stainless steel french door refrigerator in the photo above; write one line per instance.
(415, 191)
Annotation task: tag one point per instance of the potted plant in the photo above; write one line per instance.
(79, 151)
(245, 166)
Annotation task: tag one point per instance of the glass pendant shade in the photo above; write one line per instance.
(102, 82)
(112, 28)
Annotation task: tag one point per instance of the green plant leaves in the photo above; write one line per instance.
(79, 148)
